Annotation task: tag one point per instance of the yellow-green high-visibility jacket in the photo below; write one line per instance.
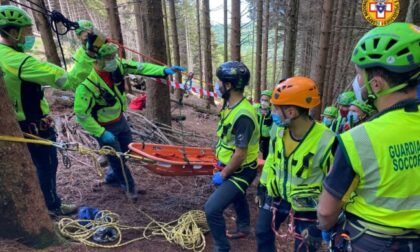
(24, 77)
(264, 121)
(79, 54)
(97, 104)
(385, 155)
(305, 168)
(268, 168)
(226, 143)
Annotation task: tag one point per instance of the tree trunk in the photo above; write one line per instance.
(404, 4)
(276, 41)
(206, 32)
(257, 83)
(153, 44)
(251, 84)
(264, 61)
(167, 40)
(235, 32)
(139, 25)
(335, 47)
(323, 49)
(114, 22)
(413, 14)
(175, 46)
(345, 51)
(23, 215)
(46, 34)
(289, 49)
(225, 30)
(200, 60)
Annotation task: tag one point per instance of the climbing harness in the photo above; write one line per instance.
(290, 227)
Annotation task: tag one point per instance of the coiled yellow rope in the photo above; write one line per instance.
(187, 231)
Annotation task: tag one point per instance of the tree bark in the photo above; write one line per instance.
(413, 14)
(235, 32)
(175, 46)
(276, 41)
(167, 40)
(264, 61)
(153, 44)
(46, 34)
(139, 25)
(323, 49)
(200, 59)
(289, 49)
(23, 215)
(225, 30)
(206, 32)
(257, 83)
(114, 22)
(335, 47)
(403, 10)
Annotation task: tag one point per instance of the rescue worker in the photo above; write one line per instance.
(377, 163)
(329, 116)
(237, 153)
(265, 121)
(343, 100)
(24, 77)
(99, 105)
(359, 112)
(299, 157)
(85, 27)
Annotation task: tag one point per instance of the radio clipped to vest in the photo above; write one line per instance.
(105, 94)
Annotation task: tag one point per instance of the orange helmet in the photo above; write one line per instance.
(298, 91)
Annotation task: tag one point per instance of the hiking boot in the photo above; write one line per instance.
(132, 194)
(110, 178)
(65, 209)
(234, 235)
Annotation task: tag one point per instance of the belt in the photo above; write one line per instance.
(381, 231)
(110, 122)
(252, 165)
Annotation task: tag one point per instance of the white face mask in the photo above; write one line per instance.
(357, 89)
(265, 104)
(110, 65)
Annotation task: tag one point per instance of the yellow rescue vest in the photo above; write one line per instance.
(226, 144)
(302, 172)
(385, 154)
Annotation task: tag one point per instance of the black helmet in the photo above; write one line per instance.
(234, 72)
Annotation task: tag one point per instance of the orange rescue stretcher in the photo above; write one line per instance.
(173, 160)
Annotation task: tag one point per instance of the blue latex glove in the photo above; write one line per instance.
(171, 70)
(108, 138)
(217, 178)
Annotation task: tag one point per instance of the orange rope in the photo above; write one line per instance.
(149, 58)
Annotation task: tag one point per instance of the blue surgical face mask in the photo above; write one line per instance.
(217, 89)
(276, 119)
(110, 65)
(29, 43)
(327, 121)
(352, 117)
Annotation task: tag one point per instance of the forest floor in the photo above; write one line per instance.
(163, 198)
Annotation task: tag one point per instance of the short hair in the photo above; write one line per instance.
(394, 79)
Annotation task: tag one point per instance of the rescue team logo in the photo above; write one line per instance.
(380, 12)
